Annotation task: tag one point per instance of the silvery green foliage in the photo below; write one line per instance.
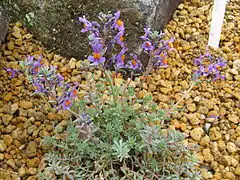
(115, 140)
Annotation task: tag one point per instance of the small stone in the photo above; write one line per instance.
(186, 47)
(25, 104)
(152, 87)
(237, 171)
(236, 64)
(10, 45)
(191, 107)
(231, 147)
(22, 171)
(7, 139)
(197, 133)
(1, 156)
(165, 90)
(203, 110)
(163, 98)
(237, 142)
(230, 176)
(31, 149)
(17, 34)
(193, 119)
(226, 49)
(233, 71)
(11, 163)
(8, 96)
(72, 63)
(206, 174)
(233, 118)
(208, 157)
(225, 160)
(18, 82)
(214, 134)
(32, 171)
(27, 36)
(7, 118)
(57, 57)
(221, 145)
(205, 141)
(33, 162)
(3, 146)
(206, 127)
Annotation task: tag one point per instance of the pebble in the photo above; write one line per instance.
(26, 104)
(7, 118)
(11, 163)
(225, 160)
(8, 96)
(193, 119)
(22, 171)
(230, 176)
(32, 171)
(233, 118)
(72, 63)
(31, 149)
(3, 146)
(231, 147)
(7, 139)
(197, 133)
(214, 134)
(237, 171)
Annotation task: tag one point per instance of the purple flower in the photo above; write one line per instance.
(87, 25)
(60, 78)
(134, 63)
(212, 68)
(11, 72)
(120, 58)
(147, 31)
(39, 87)
(147, 46)
(97, 58)
(119, 38)
(73, 92)
(67, 103)
(118, 24)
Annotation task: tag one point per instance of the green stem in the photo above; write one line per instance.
(109, 79)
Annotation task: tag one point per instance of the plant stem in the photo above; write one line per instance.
(146, 73)
(109, 79)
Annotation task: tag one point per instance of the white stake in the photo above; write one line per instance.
(217, 22)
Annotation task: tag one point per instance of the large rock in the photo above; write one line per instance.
(3, 24)
(55, 22)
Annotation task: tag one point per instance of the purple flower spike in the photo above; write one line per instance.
(147, 31)
(11, 72)
(147, 46)
(118, 24)
(120, 58)
(97, 58)
(134, 63)
(87, 25)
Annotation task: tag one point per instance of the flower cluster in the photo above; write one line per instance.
(104, 38)
(47, 81)
(209, 66)
(11, 72)
(156, 47)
